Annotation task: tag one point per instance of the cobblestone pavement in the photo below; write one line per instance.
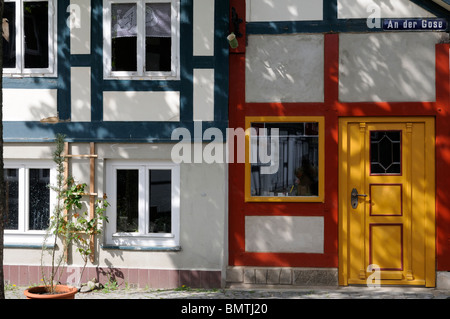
(257, 293)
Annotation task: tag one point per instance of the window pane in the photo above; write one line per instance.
(124, 37)
(127, 200)
(36, 34)
(39, 199)
(160, 201)
(12, 199)
(158, 44)
(297, 160)
(9, 35)
(385, 152)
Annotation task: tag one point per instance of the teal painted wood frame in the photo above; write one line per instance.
(99, 131)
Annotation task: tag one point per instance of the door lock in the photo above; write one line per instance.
(354, 198)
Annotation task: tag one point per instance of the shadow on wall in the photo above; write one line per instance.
(373, 69)
(348, 9)
(109, 274)
(283, 68)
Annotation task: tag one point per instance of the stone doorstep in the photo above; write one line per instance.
(290, 277)
(283, 276)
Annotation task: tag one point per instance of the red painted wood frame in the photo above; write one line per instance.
(331, 109)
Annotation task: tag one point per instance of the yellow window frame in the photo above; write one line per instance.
(249, 120)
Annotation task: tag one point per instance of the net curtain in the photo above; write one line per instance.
(157, 20)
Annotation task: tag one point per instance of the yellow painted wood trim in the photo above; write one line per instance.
(430, 202)
(343, 205)
(285, 119)
(430, 199)
(390, 282)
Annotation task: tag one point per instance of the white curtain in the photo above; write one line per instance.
(157, 20)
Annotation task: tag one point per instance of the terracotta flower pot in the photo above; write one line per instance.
(61, 292)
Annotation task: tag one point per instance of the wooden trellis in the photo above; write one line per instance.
(92, 195)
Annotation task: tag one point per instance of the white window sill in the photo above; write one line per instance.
(29, 75)
(31, 239)
(141, 78)
(155, 241)
(141, 248)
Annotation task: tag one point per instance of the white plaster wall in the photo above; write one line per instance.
(27, 151)
(203, 27)
(80, 26)
(80, 84)
(284, 10)
(284, 234)
(29, 104)
(393, 67)
(285, 68)
(203, 214)
(357, 9)
(203, 95)
(141, 106)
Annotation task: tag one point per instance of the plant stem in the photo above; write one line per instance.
(59, 160)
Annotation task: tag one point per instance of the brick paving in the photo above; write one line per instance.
(258, 293)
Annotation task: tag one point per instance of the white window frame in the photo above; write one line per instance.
(23, 235)
(142, 238)
(20, 70)
(141, 73)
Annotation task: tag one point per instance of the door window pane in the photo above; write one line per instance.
(9, 35)
(160, 201)
(39, 199)
(36, 34)
(12, 199)
(297, 159)
(127, 200)
(385, 152)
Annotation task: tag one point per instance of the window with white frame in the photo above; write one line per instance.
(141, 38)
(145, 200)
(29, 38)
(29, 201)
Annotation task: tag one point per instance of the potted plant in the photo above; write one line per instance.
(68, 226)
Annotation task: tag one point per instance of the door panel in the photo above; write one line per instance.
(387, 200)
(386, 246)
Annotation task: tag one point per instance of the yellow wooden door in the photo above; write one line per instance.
(387, 201)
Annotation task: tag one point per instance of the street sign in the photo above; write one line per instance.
(414, 24)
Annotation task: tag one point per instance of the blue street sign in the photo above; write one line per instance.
(414, 24)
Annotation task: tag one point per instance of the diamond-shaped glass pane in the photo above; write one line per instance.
(385, 152)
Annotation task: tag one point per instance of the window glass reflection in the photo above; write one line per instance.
(297, 156)
(160, 201)
(39, 199)
(385, 152)
(9, 35)
(12, 198)
(36, 34)
(127, 200)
